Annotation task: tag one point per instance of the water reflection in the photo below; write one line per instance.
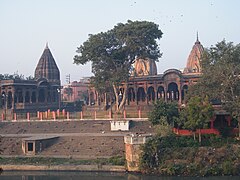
(56, 175)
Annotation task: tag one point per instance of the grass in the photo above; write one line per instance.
(117, 160)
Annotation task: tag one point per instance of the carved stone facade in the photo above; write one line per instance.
(145, 67)
(194, 59)
(40, 94)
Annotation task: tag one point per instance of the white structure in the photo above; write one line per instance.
(119, 125)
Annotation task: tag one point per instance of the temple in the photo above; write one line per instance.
(39, 94)
(146, 86)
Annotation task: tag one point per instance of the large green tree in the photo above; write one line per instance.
(197, 114)
(164, 113)
(221, 77)
(113, 53)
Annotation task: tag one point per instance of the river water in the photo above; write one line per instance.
(54, 175)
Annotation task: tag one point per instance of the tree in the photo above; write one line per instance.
(164, 113)
(221, 76)
(197, 113)
(112, 54)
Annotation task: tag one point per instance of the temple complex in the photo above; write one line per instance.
(39, 94)
(146, 86)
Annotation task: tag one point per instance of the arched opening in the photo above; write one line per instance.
(172, 93)
(33, 97)
(55, 94)
(19, 95)
(131, 95)
(9, 100)
(151, 94)
(141, 95)
(27, 97)
(41, 95)
(160, 93)
(49, 97)
(92, 101)
(184, 91)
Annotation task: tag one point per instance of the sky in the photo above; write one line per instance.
(27, 25)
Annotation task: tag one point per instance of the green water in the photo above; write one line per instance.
(55, 175)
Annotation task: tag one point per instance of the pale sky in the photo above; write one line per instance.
(27, 25)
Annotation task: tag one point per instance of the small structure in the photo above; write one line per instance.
(133, 143)
(120, 125)
(38, 94)
(34, 145)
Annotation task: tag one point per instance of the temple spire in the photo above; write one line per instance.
(197, 41)
(46, 46)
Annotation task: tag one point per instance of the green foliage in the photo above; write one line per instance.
(198, 113)
(117, 160)
(164, 113)
(181, 155)
(14, 77)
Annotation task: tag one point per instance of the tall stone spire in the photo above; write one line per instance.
(194, 58)
(47, 67)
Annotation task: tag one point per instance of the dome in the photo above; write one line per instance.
(47, 67)
(194, 58)
(145, 67)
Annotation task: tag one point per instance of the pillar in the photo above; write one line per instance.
(133, 150)
(110, 115)
(68, 116)
(58, 113)
(15, 116)
(139, 113)
(81, 115)
(63, 113)
(54, 115)
(41, 116)
(28, 116)
(179, 94)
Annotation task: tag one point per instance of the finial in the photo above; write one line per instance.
(197, 36)
(46, 45)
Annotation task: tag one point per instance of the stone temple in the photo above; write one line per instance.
(40, 94)
(147, 86)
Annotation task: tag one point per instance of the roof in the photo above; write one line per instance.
(47, 67)
(194, 58)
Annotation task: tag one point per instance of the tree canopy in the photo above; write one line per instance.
(14, 77)
(164, 113)
(113, 52)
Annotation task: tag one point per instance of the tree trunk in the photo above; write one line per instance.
(199, 136)
(238, 125)
(122, 103)
(194, 135)
(116, 97)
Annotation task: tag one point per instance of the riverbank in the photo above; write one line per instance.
(174, 155)
(113, 164)
(90, 168)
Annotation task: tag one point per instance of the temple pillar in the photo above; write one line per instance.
(146, 94)
(136, 97)
(24, 95)
(179, 94)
